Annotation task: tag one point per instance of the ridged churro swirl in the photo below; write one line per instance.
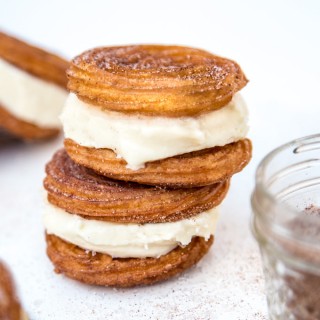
(79, 190)
(171, 81)
(198, 168)
(101, 269)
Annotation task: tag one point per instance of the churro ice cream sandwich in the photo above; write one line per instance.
(32, 91)
(107, 232)
(159, 115)
(153, 135)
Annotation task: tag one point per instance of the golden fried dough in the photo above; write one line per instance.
(80, 191)
(102, 269)
(9, 305)
(33, 60)
(22, 129)
(197, 168)
(170, 81)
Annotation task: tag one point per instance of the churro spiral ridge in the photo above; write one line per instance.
(170, 81)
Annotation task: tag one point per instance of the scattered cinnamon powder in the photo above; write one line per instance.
(302, 284)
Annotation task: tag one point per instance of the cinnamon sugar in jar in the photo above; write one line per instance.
(286, 224)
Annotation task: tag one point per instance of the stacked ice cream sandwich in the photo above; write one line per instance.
(153, 135)
(33, 89)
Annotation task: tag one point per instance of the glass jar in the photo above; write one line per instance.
(286, 224)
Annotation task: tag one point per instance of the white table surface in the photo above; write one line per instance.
(277, 45)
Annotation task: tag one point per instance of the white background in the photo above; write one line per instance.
(277, 45)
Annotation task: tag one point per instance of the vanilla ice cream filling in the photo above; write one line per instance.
(29, 98)
(139, 139)
(131, 240)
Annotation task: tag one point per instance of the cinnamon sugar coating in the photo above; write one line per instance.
(102, 269)
(192, 169)
(81, 191)
(155, 80)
